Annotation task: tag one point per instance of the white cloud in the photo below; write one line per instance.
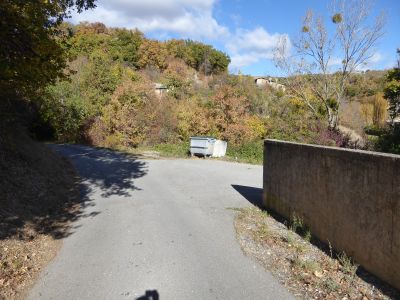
(189, 18)
(257, 40)
(375, 58)
(372, 62)
(251, 46)
(241, 60)
(336, 62)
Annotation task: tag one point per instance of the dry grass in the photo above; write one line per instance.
(21, 262)
(38, 199)
(309, 272)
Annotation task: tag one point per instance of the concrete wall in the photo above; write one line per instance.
(350, 198)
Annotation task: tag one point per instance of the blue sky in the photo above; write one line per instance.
(246, 30)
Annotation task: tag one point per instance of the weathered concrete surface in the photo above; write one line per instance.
(349, 198)
(156, 225)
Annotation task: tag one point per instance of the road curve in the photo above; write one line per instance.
(160, 226)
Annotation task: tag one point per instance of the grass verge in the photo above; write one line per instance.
(251, 153)
(247, 153)
(179, 150)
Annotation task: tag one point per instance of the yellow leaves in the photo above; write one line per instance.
(374, 110)
(230, 116)
(192, 119)
(152, 53)
(298, 103)
(257, 126)
(116, 70)
(119, 124)
(135, 93)
(130, 74)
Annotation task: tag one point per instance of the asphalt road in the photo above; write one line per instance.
(157, 225)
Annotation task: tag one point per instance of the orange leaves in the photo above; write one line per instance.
(229, 115)
(192, 119)
(152, 53)
(120, 123)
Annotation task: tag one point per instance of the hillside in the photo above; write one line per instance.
(111, 99)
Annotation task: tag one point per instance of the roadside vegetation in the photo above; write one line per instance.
(309, 268)
(109, 98)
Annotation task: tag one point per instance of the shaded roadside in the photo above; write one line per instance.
(304, 264)
(48, 193)
(41, 194)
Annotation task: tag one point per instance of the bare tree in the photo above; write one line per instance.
(324, 59)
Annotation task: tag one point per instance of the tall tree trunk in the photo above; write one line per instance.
(332, 119)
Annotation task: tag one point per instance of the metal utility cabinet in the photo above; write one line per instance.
(219, 148)
(207, 146)
(200, 145)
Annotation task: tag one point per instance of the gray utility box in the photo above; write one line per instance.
(202, 145)
(219, 148)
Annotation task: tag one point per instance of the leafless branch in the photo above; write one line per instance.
(315, 49)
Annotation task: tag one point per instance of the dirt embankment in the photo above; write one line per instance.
(38, 199)
(307, 267)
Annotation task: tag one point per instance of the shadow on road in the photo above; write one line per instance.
(251, 194)
(112, 172)
(150, 295)
(52, 208)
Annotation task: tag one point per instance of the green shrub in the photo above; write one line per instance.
(389, 142)
(374, 130)
(251, 152)
(173, 150)
(347, 263)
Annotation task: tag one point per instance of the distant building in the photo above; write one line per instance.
(160, 89)
(272, 82)
(261, 81)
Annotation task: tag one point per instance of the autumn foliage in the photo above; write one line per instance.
(112, 98)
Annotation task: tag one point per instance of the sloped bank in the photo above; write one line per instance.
(38, 198)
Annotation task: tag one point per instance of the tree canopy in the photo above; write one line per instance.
(31, 54)
(392, 90)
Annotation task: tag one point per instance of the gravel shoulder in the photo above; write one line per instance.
(307, 267)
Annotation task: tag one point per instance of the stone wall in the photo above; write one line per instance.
(347, 197)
